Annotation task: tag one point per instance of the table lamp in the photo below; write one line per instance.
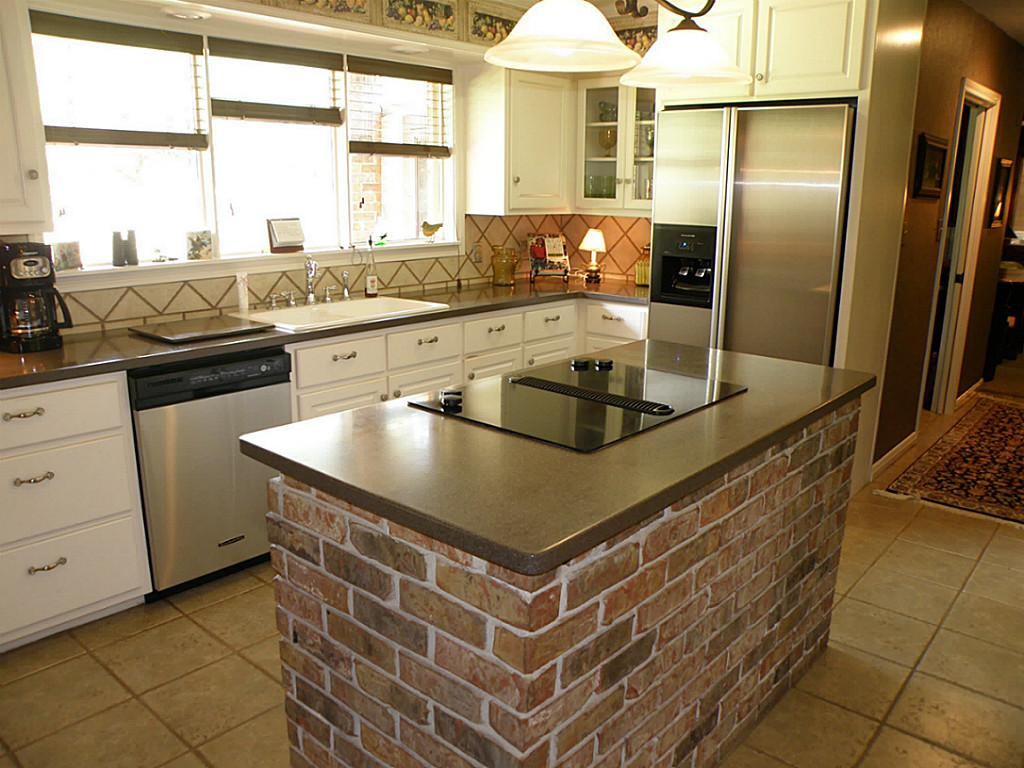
(593, 241)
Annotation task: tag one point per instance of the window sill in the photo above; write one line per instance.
(173, 271)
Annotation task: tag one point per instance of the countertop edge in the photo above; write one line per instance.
(535, 563)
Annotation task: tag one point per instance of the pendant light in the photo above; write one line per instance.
(562, 36)
(685, 55)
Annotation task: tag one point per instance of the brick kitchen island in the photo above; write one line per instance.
(450, 595)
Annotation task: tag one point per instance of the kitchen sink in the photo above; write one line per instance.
(341, 312)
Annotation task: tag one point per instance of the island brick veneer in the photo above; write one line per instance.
(660, 647)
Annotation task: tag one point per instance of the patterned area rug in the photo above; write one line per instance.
(977, 465)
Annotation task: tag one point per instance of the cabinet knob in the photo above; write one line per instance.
(531, 361)
(759, 77)
(619, 181)
(33, 174)
(383, 396)
(397, 393)
(515, 179)
(471, 376)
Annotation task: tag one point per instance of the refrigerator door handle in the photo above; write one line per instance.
(721, 275)
(828, 348)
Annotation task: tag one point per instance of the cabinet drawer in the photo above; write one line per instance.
(494, 332)
(59, 413)
(617, 320)
(62, 487)
(424, 345)
(544, 352)
(99, 562)
(544, 323)
(493, 364)
(425, 379)
(343, 398)
(339, 361)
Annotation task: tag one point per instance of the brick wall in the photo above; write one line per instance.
(660, 647)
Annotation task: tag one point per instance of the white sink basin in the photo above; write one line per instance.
(340, 312)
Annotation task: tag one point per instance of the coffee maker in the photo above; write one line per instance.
(29, 299)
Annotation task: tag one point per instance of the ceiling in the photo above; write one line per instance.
(1008, 15)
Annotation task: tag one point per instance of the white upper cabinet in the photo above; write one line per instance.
(788, 47)
(24, 186)
(519, 128)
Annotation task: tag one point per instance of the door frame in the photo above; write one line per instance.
(955, 338)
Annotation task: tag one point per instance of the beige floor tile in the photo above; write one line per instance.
(997, 582)
(40, 704)
(927, 563)
(880, 632)
(745, 757)
(944, 514)
(784, 733)
(975, 664)
(963, 540)
(886, 520)
(904, 594)
(865, 546)
(849, 572)
(259, 743)
(161, 654)
(855, 680)
(984, 729)
(214, 699)
(37, 656)
(242, 620)
(893, 749)
(989, 620)
(215, 591)
(188, 760)
(264, 572)
(127, 736)
(1005, 551)
(1011, 530)
(125, 624)
(266, 655)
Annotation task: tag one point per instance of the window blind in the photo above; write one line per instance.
(59, 25)
(239, 49)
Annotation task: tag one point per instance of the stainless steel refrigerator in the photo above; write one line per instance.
(749, 221)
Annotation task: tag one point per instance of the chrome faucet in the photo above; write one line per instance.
(311, 268)
(345, 293)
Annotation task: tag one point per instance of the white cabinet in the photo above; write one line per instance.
(493, 331)
(614, 147)
(550, 321)
(520, 128)
(493, 363)
(343, 397)
(424, 344)
(24, 186)
(72, 542)
(788, 47)
(544, 352)
(421, 380)
(615, 320)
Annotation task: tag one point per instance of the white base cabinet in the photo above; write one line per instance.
(72, 541)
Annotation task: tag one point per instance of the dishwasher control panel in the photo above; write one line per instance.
(156, 387)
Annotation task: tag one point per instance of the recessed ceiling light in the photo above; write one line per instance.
(186, 14)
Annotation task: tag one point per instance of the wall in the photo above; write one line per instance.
(958, 42)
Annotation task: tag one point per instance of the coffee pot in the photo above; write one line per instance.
(29, 299)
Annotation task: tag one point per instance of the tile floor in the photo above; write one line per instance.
(925, 667)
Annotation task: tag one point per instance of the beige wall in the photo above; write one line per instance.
(958, 43)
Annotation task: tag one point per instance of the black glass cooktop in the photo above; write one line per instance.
(583, 404)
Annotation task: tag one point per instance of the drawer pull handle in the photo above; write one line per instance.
(33, 570)
(383, 396)
(614, 318)
(499, 329)
(397, 393)
(471, 376)
(431, 340)
(554, 319)
(18, 482)
(531, 361)
(347, 356)
(25, 414)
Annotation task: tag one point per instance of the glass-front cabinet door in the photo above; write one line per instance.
(616, 147)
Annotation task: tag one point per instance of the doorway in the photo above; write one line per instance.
(959, 235)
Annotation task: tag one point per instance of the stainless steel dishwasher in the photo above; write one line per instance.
(204, 501)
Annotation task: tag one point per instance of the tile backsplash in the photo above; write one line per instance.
(110, 308)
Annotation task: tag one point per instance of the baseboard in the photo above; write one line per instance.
(905, 445)
(968, 394)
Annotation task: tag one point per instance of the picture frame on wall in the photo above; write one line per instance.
(930, 168)
(999, 197)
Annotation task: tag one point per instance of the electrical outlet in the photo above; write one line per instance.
(474, 254)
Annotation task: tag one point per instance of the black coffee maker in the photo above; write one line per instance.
(29, 299)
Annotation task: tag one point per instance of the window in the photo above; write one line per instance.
(147, 133)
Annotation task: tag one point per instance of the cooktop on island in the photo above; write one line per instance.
(585, 403)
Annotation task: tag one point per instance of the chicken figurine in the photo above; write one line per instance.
(429, 230)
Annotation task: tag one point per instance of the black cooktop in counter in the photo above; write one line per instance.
(583, 404)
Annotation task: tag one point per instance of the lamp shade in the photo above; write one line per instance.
(593, 241)
(686, 55)
(562, 36)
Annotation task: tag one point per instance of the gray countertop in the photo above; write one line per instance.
(93, 353)
(530, 506)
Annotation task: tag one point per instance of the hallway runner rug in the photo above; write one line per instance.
(978, 464)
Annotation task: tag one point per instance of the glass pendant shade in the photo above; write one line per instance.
(562, 36)
(686, 55)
